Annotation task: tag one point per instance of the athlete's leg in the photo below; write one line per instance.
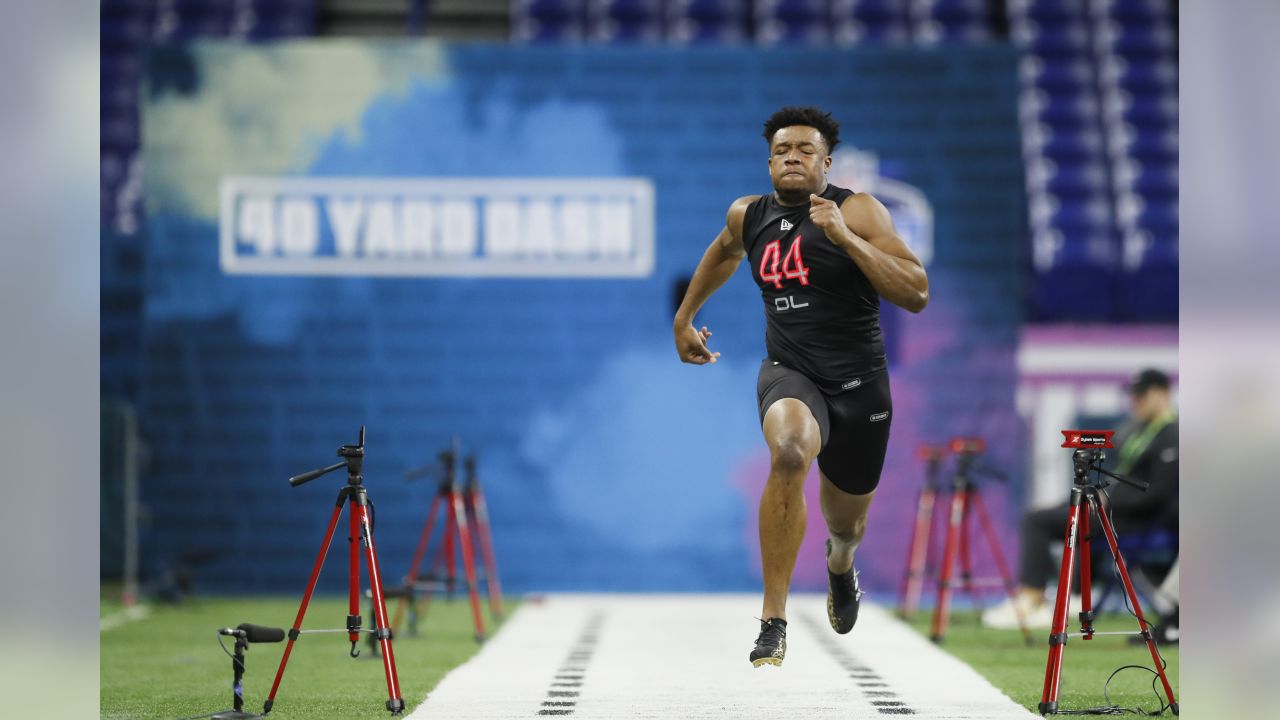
(846, 516)
(794, 440)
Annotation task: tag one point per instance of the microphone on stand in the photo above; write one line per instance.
(254, 633)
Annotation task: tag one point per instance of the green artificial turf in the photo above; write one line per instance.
(1004, 658)
(169, 665)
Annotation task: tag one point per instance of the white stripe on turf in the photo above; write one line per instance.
(685, 656)
(121, 617)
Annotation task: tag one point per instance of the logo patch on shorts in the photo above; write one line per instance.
(879, 416)
(851, 384)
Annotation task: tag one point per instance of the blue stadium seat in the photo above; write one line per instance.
(548, 21)
(276, 27)
(1149, 11)
(626, 30)
(792, 11)
(962, 10)
(119, 129)
(1153, 181)
(124, 33)
(1149, 283)
(1075, 277)
(1089, 215)
(1050, 39)
(854, 32)
(937, 32)
(1056, 74)
(625, 8)
(1148, 147)
(1145, 111)
(871, 12)
(543, 9)
(1047, 11)
(1133, 41)
(691, 30)
(625, 21)
(1061, 145)
(1063, 108)
(774, 31)
(547, 30)
(112, 7)
(704, 9)
(1070, 180)
(192, 27)
(1159, 218)
(1139, 74)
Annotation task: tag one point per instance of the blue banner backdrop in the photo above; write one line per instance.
(608, 464)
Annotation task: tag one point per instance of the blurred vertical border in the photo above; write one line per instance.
(49, 357)
(1230, 356)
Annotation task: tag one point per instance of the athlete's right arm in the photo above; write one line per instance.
(716, 267)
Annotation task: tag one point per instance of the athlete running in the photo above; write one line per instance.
(823, 256)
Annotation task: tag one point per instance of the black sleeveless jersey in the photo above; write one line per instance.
(822, 314)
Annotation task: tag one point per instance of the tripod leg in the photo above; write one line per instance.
(468, 562)
(942, 609)
(966, 562)
(1086, 574)
(916, 553)
(306, 599)
(416, 565)
(484, 538)
(353, 585)
(987, 530)
(394, 702)
(1110, 533)
(1058, 634)
(450, 553)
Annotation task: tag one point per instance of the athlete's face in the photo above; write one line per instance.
(798, 159)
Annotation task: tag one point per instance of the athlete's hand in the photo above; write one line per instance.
(826, 214)
(692, 345)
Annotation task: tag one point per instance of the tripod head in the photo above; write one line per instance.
(352, 459)
(444, 469)
(968, 466)
(1087, 457)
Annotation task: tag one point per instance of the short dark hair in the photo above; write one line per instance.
(804, 115)
(1146, 380)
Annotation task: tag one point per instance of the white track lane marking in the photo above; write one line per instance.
(121, 617)
(685, 656)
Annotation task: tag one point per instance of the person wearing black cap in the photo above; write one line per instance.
(1147, 450)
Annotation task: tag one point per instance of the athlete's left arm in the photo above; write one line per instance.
(862, 227)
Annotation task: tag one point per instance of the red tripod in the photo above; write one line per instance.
(1086, 496)
(921, 546)
(466, 522)
(965, 496)
(361, 530)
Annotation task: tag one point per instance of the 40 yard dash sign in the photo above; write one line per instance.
(460, 227)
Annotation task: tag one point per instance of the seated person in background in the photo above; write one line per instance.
(1146, 449)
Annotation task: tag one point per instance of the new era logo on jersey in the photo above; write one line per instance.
(879, 416)
(786, 225)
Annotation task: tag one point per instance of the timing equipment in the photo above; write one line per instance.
(1088, 494)
(966, 497)
(361, 535)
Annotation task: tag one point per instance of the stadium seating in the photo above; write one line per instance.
(128, 28)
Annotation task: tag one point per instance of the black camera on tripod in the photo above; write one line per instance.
(1088, 455)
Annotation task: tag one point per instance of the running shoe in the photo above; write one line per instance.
(771, 643)
(843, 598)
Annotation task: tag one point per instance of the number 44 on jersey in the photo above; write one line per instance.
(793, 267)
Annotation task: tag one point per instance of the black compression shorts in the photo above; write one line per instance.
(854, 423)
